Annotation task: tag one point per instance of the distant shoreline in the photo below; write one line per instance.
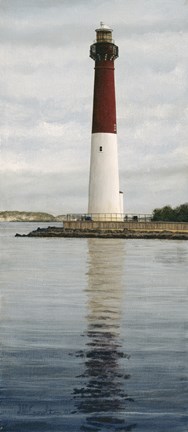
(23, 216)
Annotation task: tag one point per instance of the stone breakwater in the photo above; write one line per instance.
(87, 233)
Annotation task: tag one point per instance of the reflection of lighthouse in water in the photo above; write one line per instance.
(102, 397)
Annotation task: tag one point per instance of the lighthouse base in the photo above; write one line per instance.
(107, 217)
(104, 197)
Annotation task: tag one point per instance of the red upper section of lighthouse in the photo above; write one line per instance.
(104, 52)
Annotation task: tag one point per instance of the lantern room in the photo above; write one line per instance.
(104, 33)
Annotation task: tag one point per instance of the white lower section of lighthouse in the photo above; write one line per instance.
(104, 196)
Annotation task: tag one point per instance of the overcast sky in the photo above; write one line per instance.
(46, 96)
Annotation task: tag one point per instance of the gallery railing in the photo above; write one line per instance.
(136, 217)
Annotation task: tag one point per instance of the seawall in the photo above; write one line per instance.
(139, 230)
(136, 226)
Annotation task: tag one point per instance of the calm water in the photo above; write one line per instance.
(93, 334)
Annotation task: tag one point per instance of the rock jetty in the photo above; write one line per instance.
(53, 231)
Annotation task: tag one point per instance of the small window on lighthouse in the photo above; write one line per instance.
(100, 148)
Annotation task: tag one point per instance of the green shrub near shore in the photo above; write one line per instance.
(169, 214)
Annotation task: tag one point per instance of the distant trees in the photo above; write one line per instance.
(167, 213)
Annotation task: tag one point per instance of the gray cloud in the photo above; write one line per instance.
(26, 5)
(44, 35)
(57, 192)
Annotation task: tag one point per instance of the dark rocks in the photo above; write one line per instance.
(78, 233)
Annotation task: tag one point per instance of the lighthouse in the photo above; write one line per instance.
(105, 198)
